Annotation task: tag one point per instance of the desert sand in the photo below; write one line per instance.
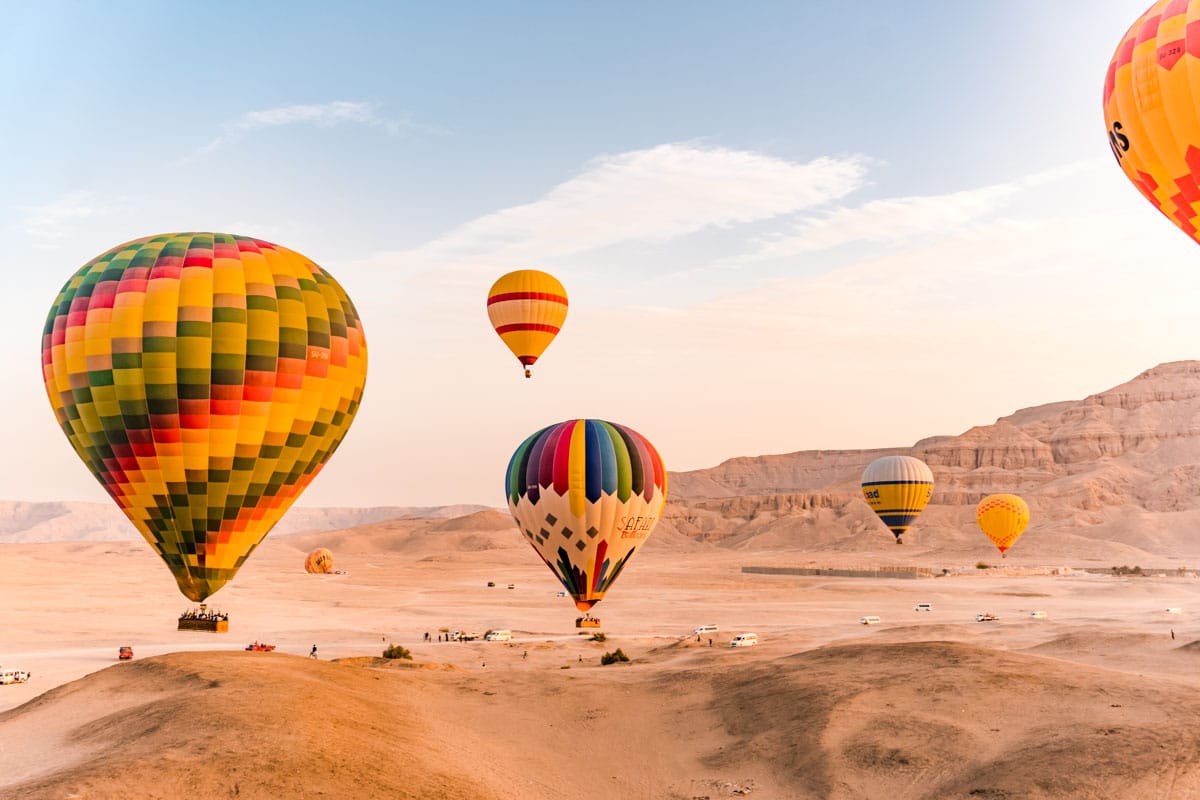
(1097, 700)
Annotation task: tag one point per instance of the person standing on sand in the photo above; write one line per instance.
(313, 652)
(1172, 634)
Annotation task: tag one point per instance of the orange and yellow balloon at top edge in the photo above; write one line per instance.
(204, 379)
(1151, 111)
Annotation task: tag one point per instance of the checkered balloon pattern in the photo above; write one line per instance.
(204, 379)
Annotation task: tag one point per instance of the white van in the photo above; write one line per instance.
(923, 607)
(704, 629)
(1174, 610)
(1037, 614)
(13, 676)
(870, 619)
(744, 640)
(498, 636)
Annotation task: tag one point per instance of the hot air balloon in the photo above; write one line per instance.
(319, 562)
(527, 308)
(586, 494)
(1151, 112)
(1002, 518)
(204, 379)
(897, 488)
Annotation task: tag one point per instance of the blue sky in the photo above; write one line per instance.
(782, 225)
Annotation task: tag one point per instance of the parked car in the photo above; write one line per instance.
(1038, 614)
(260, 647)
(491, 584)
(986, 617)
(744, 640)
(923, 607)
(125, 653)
(704, 629)
(498, 636)
(870, 619)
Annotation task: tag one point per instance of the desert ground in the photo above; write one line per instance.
(1096, 700)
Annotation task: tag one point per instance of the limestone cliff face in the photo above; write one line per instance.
(1123, 464)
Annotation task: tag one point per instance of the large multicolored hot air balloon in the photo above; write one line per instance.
(1002, 518)
(204, 379)
(319, 562)
(586, 494)
(897, 488)
(1151, 111)
(527, 308)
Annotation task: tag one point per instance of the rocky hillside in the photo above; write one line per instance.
(1114, 477)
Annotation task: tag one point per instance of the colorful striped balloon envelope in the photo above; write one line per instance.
(204, 379)
(527, 309)
(586, 494)
(897, 488)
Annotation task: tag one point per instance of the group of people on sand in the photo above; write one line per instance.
(192, 613)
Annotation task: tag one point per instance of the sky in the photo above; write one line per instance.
(782, 225)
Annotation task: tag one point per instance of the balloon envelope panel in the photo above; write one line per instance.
(204, 379)
(1002, 518)
(1150, 108)
(527, 309)
(897, 488)
(586, 494)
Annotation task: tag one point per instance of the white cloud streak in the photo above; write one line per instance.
(650, 195)
(325, 115)
(894, 220)
(48, 223)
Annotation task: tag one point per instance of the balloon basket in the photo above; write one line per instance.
(201, 619)
(587, 622)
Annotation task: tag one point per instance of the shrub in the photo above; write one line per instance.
(598, 636)
(397, 651)
(613, 657)
(982, 565)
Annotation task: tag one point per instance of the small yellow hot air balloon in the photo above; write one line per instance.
(527, 308)
(319, 562)
(897, 488)
(1150, 109)
(1002, 518)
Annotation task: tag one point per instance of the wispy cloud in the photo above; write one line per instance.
(650, 195)
(48, 223)
(894, 220)
(339, 112)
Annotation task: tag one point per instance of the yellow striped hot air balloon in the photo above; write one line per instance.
(897, 488)
(527, 308)
(1002, 518)
(1150, 109)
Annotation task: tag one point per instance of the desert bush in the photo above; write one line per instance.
(1124, 569)
(613, 657)
(982, 565)
(598, 636)
(397, 651)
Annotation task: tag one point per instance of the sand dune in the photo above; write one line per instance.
(916, 720)
(1094, 701)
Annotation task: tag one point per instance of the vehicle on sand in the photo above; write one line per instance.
(260, 647)
(124, 653)
(986, 617)
(14, 676)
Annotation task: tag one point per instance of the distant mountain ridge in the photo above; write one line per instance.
(24, 522)
(1115, 475)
